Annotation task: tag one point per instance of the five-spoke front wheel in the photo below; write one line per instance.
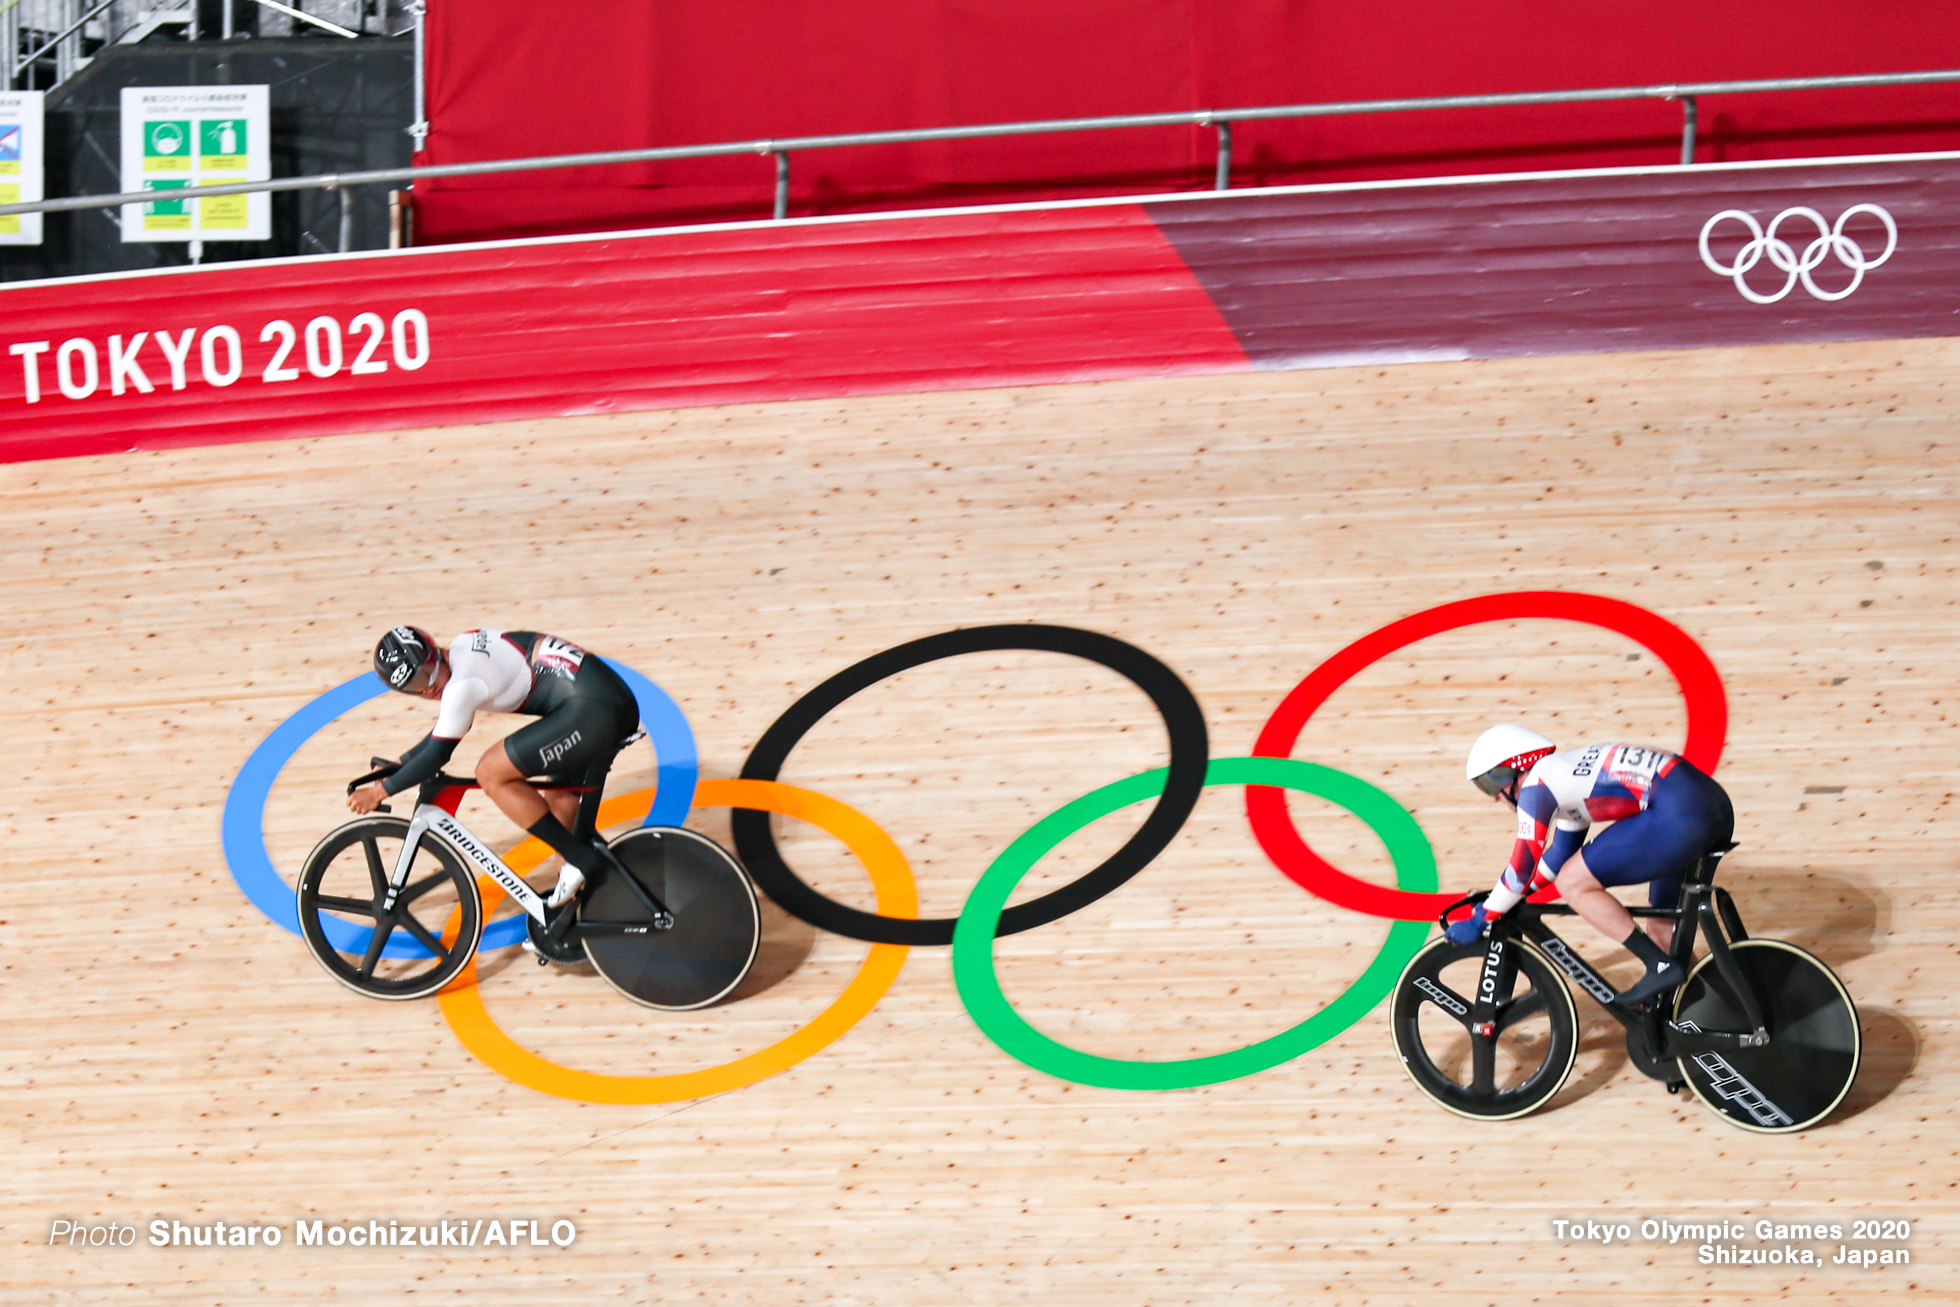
(399, 945)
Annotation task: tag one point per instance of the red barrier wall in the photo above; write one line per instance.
(591, 326)
(509, 77)
(1581, 263)
(1558, 263)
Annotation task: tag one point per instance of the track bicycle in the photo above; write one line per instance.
(391, 909)
(1763, 1033)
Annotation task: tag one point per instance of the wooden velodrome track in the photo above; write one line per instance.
(169, 1053)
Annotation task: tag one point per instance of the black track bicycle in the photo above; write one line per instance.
(1763, 1033)
(390, 906)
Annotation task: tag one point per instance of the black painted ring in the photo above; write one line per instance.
(1189, 747)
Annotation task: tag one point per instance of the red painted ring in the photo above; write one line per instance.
(1265, 805)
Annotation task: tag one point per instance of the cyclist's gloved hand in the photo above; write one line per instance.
(1468, 930)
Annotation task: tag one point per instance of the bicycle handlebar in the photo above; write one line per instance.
(386, 767)
(1467, 901)
(383, 768)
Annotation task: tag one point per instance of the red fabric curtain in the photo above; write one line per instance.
(512, 77)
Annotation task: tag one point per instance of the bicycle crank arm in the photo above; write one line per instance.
(1686, 1043)
(563, 920)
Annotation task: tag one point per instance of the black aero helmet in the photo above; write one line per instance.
(406, 658)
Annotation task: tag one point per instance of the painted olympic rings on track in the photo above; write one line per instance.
(1189, 748)
(891, 880)
(979, 986)
(243, 824)
(1701, 686)
(894, 926)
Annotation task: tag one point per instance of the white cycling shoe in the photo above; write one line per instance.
(570, 881)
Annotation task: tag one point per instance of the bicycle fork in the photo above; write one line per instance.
(1494, 984)
(429, 817)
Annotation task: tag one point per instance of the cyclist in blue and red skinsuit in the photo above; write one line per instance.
(1665, 814)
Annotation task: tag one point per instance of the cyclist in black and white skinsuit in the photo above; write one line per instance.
(585, 714)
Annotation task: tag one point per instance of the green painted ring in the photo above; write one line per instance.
(973, 938)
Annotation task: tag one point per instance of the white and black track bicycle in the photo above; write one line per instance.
(391, 909)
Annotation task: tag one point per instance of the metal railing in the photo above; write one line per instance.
(52, 40)
(1220, 120)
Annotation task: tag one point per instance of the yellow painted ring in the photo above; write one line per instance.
(897, 894)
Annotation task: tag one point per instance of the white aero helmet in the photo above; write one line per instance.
(1502, 754)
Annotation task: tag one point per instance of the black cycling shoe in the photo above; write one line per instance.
(1660, 978)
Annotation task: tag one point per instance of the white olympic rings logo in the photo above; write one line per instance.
(1783, 256)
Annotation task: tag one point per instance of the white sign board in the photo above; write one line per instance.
(178, 136)
(20, 164)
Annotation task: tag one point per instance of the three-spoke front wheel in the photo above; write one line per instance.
(1515, 1069)
(393, 945)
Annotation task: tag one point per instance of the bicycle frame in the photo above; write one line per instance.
(435, 811)
(434, 817)
(1703, 908)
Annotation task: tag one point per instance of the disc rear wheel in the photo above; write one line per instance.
(716, 924)
(1814, 1046)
